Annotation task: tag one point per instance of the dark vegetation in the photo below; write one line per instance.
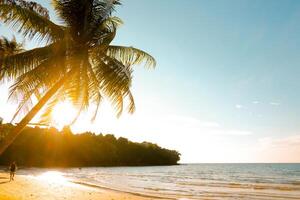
(48, 147)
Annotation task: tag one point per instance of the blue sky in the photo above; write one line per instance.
(227, 75)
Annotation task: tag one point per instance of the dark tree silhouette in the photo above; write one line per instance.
(52, 148)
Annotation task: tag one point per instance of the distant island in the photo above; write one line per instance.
(48, 147)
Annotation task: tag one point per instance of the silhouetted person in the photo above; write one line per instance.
(12, 169)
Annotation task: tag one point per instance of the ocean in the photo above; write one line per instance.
(190, 181)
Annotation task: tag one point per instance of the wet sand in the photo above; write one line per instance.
(31, 188)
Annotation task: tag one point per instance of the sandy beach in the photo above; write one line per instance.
(27, 187)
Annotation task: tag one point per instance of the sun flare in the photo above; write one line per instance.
(63, 114)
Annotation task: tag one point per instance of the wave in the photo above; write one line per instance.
(119, 190)
(284, 187)
(221, 193)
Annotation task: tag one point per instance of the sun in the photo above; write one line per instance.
(63, 114)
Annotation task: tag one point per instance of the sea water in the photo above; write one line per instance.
(192, 181)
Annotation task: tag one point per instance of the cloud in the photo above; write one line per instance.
(279, 149)
(255, 102)
(238, 132)
(288, 142)
(197, 126)
(189, 121)
(238, 106)
(275, 103)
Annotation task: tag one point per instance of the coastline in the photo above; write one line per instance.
(32, 188)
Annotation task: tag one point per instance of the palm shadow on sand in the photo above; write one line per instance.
(4, 180)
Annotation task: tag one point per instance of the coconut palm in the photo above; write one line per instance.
(77, 62)
(9, 47)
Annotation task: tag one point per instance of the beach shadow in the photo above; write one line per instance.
(4, 179)
(4, 182)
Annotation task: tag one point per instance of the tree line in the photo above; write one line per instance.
(48, 147)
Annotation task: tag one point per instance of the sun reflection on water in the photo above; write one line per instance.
(53, 177)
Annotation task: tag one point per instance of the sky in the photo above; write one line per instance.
(225, 88)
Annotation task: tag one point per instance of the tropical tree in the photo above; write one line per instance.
(77, 62)
(9, 47)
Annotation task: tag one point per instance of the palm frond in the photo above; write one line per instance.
(82, 92)
(75, 14)
(29, 22)
(30, 5)
(24, 100)
(131, 105)
(47, 111)
(94, 88)
(106, 7)
(131, 56)
(18, 64)
(114, 78)
(84, 17)
(102, 36)
(112, 22)
(59, 96)
(103, 11)
(33, 84)
(9, 47)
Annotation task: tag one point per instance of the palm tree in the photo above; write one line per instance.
(9, 47)
(77, 63)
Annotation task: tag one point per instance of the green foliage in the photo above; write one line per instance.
(51, 148)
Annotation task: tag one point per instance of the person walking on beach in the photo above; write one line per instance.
(12, 169)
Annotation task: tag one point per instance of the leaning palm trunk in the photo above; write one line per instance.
(9, 139)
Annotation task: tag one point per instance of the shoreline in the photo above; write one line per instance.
(33, 188)
(121, 191)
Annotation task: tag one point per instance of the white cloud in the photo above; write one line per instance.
(279, 149)
(190, 121)
(280, 142)
(238, 106)
(275, 103)
(255, 102)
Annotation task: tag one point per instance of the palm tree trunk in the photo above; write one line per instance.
(8, 140)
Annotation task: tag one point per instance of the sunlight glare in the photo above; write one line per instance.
(53, 177)
(63, 114)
